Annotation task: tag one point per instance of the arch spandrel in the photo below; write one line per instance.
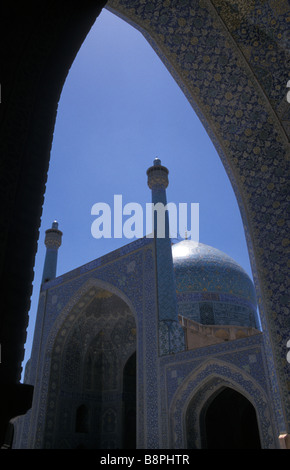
(211, 50)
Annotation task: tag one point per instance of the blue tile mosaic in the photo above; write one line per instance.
(227, 59)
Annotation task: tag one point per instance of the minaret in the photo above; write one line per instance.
(52, 243)
(171, 335)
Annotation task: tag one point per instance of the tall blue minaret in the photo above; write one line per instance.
(52, 242)
(171, 335)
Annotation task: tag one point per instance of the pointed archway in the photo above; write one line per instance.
(228, 421)
(89, 353)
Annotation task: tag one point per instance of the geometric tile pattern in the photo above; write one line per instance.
(196, 375)
(166, 374)
(129, 273)
(209, 280)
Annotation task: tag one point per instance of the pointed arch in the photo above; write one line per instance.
(85, 327)
(228, 420)
(200, 385)
(84, 294)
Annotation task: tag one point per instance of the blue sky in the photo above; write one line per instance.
(119, 109)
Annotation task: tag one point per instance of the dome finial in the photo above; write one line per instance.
(157, 162)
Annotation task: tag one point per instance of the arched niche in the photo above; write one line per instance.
(197, 391)
(88, 355)
(227, 421)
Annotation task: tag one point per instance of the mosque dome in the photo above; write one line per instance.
(211, 287)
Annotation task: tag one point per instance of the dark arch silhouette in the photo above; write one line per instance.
(229, 422)
(129, 403)
(82, 419)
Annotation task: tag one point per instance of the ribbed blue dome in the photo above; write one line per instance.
(211, 287)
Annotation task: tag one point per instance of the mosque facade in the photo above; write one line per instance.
(152, 346)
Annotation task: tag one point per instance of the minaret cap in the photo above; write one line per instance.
(157, 175)
(53, 236)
